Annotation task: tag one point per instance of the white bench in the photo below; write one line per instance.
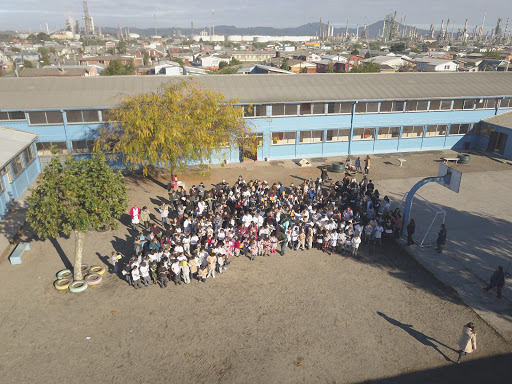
(18, 252)
(447, 159)
(401, 161)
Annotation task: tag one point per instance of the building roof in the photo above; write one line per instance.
(108, 91)
(13, 142)
(502, 120)
(53, 71)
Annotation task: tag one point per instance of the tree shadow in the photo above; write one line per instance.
(157, 182)
(61, 253)
(105, 260)
(421, 337)
(158, 202)
(123, 246)
(12, 223)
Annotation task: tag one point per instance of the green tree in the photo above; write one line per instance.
(285, 65)
(178, 124)
(116, 68)
(45, 60)
(355, 52)
(365, 68)
(43, 51)
(227, 70)
(77, 196)
(234, 61)
(367, 55)
(179, 61)
(121, 47)
(304, 70)
(398, 47)
(27, 64)
(223, 64)
(330, 68)
(493, 54)
(146, 58)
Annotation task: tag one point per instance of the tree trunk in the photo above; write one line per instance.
(79, 244)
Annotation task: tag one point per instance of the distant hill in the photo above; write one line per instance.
(310, 29)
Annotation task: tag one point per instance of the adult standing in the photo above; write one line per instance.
(164, 213)
(135, 214)
(497, 280)
(367, 162)
(358, 165)
(145, 218)
(411, 228)
(467, 341)
(441, 239)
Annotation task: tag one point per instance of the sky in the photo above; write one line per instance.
(32, 15)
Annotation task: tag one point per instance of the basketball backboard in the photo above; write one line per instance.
(455, 178)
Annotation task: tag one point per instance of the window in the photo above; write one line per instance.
(312, 109)
(338, 134)
(7, 170)
(458, 104)
(364, 134)
(490, 103)
(412, 131)
(339, 108)
(459, 129)
(284, 109)
(14, 115)
(255, 110)
(392, 106)
(17, 166)
(311, 136)
(371, 107)
(29, 155)
(506, 103)
(416, 105)
(44, 149)
(440, 105)
(85, 116)
(435, 130)
(388, 133)
(469, 104)
(486, 129)
(283, 138)
(45, 118)
(82, 146)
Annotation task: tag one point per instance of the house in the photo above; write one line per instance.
(301, 66)
(435, 65)
(325, 66)
(393, 61)
(267, 70)
(493, 65)
(138, 60)
(355, 60)
(167, 68)
(68, 71)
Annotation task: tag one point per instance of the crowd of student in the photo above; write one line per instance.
(202, 229)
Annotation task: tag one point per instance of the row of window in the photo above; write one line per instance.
(332, 135)
(337, 108)
(53, 117)
(17, 165)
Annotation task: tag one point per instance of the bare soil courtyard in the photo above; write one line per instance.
(306, 317)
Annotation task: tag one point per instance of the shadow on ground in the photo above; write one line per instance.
(493, 369)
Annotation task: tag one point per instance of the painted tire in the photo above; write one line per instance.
(85, 269)
(78, 286)
(96, 269)
(62, 284)
(65, 274)
(93, 278)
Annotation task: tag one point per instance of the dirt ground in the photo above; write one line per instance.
(306, 317)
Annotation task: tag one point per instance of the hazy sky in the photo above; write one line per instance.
(34, 14)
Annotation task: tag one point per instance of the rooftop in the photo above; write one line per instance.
(502, 119)
(13, 142)
(102, 92)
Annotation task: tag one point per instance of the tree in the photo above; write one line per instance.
(365, 68)
(116, 68)
(492, 54)
(355, 52)
(234, 61)
(367, 55)
(77, 196)
(121, 47)
(179, 61)
(45, 60)
(223, 64)
(285, 65)
(304, 70)
(398, 47)
(172, 127)
(27, 64)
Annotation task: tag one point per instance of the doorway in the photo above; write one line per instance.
(497, 142)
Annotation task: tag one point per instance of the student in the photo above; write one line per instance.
(136, 277)
(378, 234)
(202, 274)
(153, 269)
(176, 272)
(127, 273)
(144, 273)
(185, 271)
(145, 218)
(356, 241)
(163, 273)
(467, 341)
(212, 264)
(164, 213)
(253, 249)
(193, 266)
(135, 214)
(273, 242)
(115, 261)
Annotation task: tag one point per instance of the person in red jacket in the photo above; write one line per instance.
(135, 214)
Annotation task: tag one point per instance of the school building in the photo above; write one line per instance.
(300, 116)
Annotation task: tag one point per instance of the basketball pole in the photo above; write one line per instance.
(410, 196)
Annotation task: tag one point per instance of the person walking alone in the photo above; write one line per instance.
(367, 162)
(467, 341)
(497, 280)
(411, 227)
(441, 239)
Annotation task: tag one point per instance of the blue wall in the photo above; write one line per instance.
(20, 185)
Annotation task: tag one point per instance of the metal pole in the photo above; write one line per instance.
(410, 196)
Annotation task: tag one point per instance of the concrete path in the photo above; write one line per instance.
(479, 224)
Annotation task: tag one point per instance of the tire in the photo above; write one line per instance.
(65, 274)
(96, 269)
(62, 284)
(85, 269)
(78, 286)
(93, 279)
(338, 167)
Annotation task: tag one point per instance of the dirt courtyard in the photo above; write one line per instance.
(306, 317)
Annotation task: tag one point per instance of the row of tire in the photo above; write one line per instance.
(93, 276)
